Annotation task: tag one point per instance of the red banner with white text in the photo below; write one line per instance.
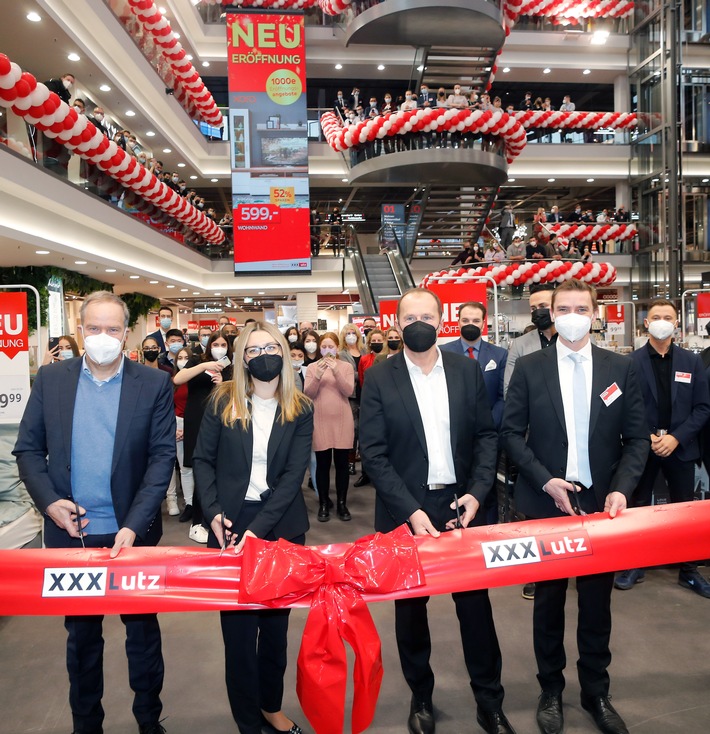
(14, 356)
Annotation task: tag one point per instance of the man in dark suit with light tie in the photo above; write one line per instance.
(491, 359)
(574, 425)
(675, 392)
(427, 437)
(96, 450)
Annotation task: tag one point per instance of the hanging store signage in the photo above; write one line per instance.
(14, 357)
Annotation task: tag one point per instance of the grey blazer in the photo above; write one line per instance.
(525, 344)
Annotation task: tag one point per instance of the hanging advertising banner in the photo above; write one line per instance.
(392, 220)
(14, 357)
(269, 142)
(55, 311)
(452, 295)
(615, 325)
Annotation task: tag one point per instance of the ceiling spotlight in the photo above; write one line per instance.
(105, 88)
(134, 277)
(511, 180)
(79, 262)
(344, 180)
(380, 67)
(338, 67)
(110, 270)
(150, 134)
(177, 35)
(195, 293)
(205, 64)
(167, 150)
(181, 165)
(599, 38)
(590, 180)
(34, 17)
(162, 10)
(74, 57)
(420, 67)
(153, 282)
(546, 71)
(506, 69)
(189, 57)
(550, 180)
(218, 294)
(587, 71)
(184, 290)
(41, 252)
(705, 180)
(170, 286)
(214, 180)
(130, 113)
(194, 178)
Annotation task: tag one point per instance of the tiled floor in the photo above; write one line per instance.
(660, 672)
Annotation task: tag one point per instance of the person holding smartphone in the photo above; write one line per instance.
(252, 451)
(60, 348)
(329, 383)
(202, 374)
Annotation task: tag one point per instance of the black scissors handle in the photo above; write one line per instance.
(458, 512)
(575, 501)
(78, 525)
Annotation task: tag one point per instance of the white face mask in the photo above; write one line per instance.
(102, 348)
(573, 326)
(311, 347)
(67, 84)
(660, 329)
(292, 338)
(219, 352)
(66, 354)
(297, 364)
(98, 116)
(181, 363)
(351, 338)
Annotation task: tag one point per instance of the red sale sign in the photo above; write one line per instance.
(14, 357)
(452, 296)
(269, 134)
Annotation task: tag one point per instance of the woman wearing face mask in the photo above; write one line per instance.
(187, 481)
(393, 344)
(250, 458)
(374, 344)
(201, 374)
(329, 383)
(66, 348)
(291, 335)
(352, 351)
(151, 352)
(311, 343)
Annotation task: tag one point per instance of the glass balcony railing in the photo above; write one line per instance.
(26, 141)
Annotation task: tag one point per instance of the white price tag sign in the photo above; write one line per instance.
(14, 392)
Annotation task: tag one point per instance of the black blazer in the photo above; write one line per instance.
(144, 449)
(690, 400)
(534, 434)
(393, 445)
(221, 464)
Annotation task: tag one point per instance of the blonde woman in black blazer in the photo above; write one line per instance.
(252, 451)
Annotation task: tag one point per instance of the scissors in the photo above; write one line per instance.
(458, 512)
(575, 503)
(78, 525)
(227, 535)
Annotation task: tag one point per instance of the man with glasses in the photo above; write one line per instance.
(96, 450)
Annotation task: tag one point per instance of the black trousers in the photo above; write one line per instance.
(680, 477)
(255, 649)
(342, 477)
(593, 626)
(478, 634)
(85, 648)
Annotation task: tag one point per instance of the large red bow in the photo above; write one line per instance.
(277, 574)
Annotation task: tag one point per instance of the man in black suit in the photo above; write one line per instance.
(96, 450)
(427, 438)
(675, 392)
(574, 425)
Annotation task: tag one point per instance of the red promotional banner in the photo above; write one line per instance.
(614, 313)
(13, 324)
(452, 295)
(14, 356)
(343, 576)
(269, 139)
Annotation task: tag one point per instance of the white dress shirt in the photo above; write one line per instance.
(263, 413)
(565, 370)
(433, 402)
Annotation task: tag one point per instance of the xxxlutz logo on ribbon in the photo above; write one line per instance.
(13, 324)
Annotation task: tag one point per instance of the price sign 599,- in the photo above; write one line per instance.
(257, 213)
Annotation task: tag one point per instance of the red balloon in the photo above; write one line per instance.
(22, 88)
(9, 95)
(5, 66)
(31, 81)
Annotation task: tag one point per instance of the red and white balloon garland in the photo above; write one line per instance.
(491, 122)
(586, 232)
(577, 120)
(187, 79)
(329, 7)
(31, 100)
(528, 272)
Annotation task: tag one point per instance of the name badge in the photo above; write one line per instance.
(683, 377)
(611, 394)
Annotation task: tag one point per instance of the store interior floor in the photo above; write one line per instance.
(660, 671)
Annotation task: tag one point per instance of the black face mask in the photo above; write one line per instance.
(150, 355)
(471, 332)
(419, 336)
(230, 339)
(266, 367)
(376, 347)
(366, 331)
(541, 318)
(393, 344)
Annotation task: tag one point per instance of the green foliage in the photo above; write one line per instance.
(75, 283)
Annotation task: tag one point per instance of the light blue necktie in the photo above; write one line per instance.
(581, 420)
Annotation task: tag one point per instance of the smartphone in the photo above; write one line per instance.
(224, 361)
(53, 343)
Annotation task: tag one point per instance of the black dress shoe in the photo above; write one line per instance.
(295, 729)
(494, 722)
(421, 718)
(156, 728)
(604, 714)
(362, 481)
(549, 713)
(343, 512)
(323, 513)
(186, 515)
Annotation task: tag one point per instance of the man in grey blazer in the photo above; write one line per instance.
(541, 337)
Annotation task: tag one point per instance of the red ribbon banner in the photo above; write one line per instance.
(338, 580)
